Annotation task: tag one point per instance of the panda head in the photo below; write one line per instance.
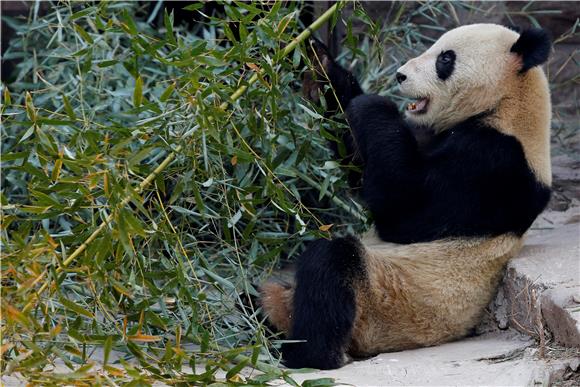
(468, 71)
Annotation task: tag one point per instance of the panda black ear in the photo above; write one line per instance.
(533, 46)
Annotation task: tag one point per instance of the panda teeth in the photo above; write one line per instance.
(419, 106)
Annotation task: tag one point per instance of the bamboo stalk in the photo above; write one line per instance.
(149, 179)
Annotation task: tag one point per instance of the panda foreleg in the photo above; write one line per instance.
(393, 172)
(324, 304)
(380, 132)
(339, 87)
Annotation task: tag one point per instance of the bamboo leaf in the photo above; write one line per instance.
(325, 227)
(68, 108)
(145, 338)
(107, 350)
(86, 37)
(30, 110)
(138, 92)
(57, 166)
(74, 307)
(167, 92)
(310, 112)
(193, 7)
(29, 132)
(168, 22)
(84, 12)
(322, 382)
(129, 24)
(7, 97)
(233, 372)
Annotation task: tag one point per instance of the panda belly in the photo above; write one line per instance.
(425, 294)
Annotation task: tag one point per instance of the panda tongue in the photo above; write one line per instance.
(418, 106)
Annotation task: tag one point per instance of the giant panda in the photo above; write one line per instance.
(448, 214)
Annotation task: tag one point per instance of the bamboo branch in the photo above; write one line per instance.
(149, 179)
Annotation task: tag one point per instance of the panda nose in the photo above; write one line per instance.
(400, 77)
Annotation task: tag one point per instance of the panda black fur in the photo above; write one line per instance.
(448, 215)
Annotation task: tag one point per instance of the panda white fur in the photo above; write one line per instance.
(448, 215)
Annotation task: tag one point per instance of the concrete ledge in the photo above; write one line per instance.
(495, 359)
(562, 315)
(541, 287)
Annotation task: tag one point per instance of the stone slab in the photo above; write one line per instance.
(541, 287)
(496, 359)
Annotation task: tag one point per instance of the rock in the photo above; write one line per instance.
(562, 316)
(540, 285)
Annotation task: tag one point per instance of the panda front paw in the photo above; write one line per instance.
(326, 72)
(320, 63)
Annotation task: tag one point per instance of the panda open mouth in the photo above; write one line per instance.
(418, 107)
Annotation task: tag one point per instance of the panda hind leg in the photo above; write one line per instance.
(324, 304)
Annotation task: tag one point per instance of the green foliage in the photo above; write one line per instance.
(100, 99)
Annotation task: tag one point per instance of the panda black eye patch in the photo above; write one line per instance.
(445, 64)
